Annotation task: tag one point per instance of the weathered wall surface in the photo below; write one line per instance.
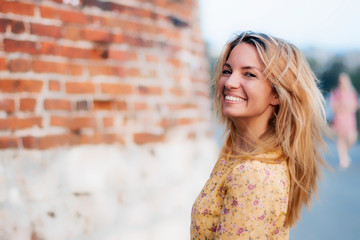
(104, 118)
(103, 191)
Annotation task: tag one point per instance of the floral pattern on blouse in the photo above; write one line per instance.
(243, 200)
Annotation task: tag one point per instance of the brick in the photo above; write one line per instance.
(19, 65)
(122, 72)
(73, 123)
(96, 20)
(75, 70)
(143, 138)
(49, 48)
(2, 64)
(168, 123)
(121, 105)
(46, 142)
(54, 85)
(176, 91)
(17, 27)
(103, 105)
(72, 17)
(40, 66)
(52, 141)
(30, 142)
(7, 105)
(82, 105)
(4, 124)
(142, 13)
(116, 88)
(122, 55)
(73, 33)
(131, 26)
(59, 121)
(105, 70)
(99, 138)
(79, 87)
(118, 38)
(45, 30)
(138, 106)
(179, 106)
(186, 121)
(49, 12)
(171, 34)
(97, 36)
(149, 90)
(174, 62)
(137, 41)
(27, 104)
(114, 22)
(108, 122)
(14, 123)
(133, 72)
(17, 8)
(99, 52)
(14, 86)
(74, 52)
(57, 104)
(3, 24)
(9, 142)
(106, 6)
(20, 46)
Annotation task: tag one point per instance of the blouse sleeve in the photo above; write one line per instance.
(255, 203)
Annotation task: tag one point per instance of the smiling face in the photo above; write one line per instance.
(246, 96)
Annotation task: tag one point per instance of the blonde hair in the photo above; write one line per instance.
(299, 120)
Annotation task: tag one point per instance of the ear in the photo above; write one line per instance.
(275, 100)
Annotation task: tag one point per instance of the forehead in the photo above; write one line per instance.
(244, 54)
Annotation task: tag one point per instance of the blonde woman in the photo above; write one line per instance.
(344, 102)
(267, 98)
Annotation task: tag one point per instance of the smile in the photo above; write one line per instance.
(234, 99)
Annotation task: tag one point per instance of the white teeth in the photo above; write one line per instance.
(235, 99)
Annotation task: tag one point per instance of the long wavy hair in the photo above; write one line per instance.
(298, 124)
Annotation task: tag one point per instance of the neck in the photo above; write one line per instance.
(252, 129)
(249, 129)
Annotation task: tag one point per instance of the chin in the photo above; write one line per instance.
(231, 114)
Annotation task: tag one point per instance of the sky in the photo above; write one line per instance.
(325, 24)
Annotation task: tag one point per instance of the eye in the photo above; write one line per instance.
(226, 72)
(249, 74)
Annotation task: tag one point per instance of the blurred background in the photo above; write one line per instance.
(325, 32)
(106, 125)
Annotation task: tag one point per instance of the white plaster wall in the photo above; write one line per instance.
(106, 192)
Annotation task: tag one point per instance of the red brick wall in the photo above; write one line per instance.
(91, 71)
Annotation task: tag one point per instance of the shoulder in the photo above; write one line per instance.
(258, 183)
(260, 169)
(261, 163)
(260, 172)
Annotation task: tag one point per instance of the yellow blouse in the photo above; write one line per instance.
(243, 200)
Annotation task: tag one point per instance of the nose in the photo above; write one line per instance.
(233, 82)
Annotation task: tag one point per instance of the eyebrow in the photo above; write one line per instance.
(245, 67)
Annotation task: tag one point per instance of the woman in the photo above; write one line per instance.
(344, 102)
(267, 98)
